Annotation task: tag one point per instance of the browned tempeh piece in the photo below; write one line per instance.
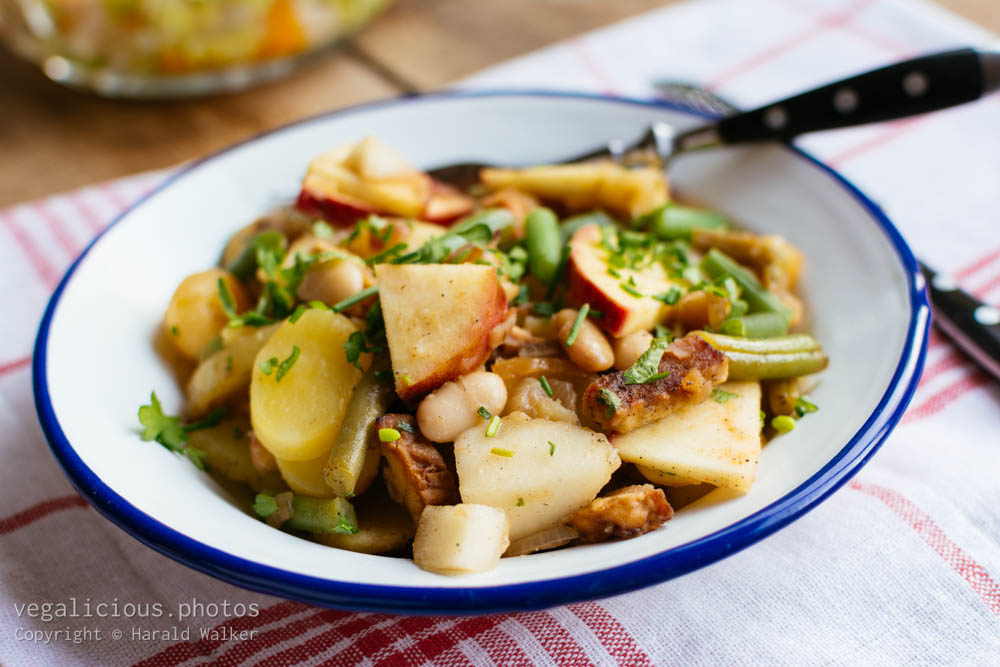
(695, 368)
(627, 512)
(415, 474)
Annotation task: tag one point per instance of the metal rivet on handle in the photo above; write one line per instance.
(988, 316)
(845, 100)
(915, 84)
(776, 118)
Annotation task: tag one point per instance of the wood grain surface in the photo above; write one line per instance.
(53, 139)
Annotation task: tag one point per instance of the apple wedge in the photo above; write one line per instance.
(591, 282)
(715, 441)
(356, 180)
(447, 204)
(585, 186)
(438, 321)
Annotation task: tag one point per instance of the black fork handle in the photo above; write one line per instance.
(907, 88)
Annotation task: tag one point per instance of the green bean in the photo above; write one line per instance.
(541, 230)
(370, 400)
(778, 344)
(320, 515)
(672, 221)
(748, 366)
(758, 325)
(717, 265)
(739, 308)
(568, 227)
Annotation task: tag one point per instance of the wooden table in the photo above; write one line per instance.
(52, 139)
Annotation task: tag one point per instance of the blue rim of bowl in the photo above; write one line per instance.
(512, 597)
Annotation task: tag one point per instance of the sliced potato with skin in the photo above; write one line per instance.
(226, 372)
(195, 315)
(538, 485)
(713, 442)
(297, 418)
(460, 539)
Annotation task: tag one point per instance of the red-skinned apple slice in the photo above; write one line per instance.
(590, 282)
(438, 321)
(447, 204)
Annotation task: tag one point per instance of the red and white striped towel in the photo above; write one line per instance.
(901, 566)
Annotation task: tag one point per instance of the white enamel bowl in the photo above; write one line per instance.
(94, 363)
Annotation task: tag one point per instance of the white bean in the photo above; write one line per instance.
(629, 348)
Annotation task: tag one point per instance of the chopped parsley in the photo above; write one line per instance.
(577, 323)
(721, 395)
(545, 385)
(804, 406)
(174, 331)
(552, 448)
(520, 502)
(670, 297)
(483, 412)
(501, 452)
(168, 431)
(267, 367)
(647, 367)
(345, 527)
(227, 300)
(386, 254)
(610, 401)
(287, 364)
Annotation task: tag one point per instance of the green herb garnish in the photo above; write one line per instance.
(267, 367)
(388, 435)
(545, 385)
(493, 426)
(357, 298)
(552, 448)
(804, 406)
(483, 412)
(647, 367)
(610, 401)
(265, 505)
(721, 395)
(168, 431)
(502, 452)
(287, 364)
(577, 323)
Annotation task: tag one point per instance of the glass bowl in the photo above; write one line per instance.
(175, 48)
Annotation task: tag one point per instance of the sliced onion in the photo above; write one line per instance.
(547, 539)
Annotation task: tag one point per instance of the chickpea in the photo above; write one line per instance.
(332, 282)
(629, 348)
(591, 350)
(452, 407)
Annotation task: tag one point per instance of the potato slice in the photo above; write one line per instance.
(226, 372)
(460, 539)
(712, 442)
(195, 315)
(670, 479)
(537, 471)
(298, 416)
(306, 477)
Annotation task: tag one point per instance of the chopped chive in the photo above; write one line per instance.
(483, 412)
(628, 289)
(783, 424)
(552, 448)
(493, 426)
(297, 314)
(388, 435)
(545, 385)
(357, 298)
(520, 502)
(174, 331)
(227, 300)
(287, 364)
(501, 452)
(386, 254)
(670, 297)
(613, 273)
(577, 323)
(318, 305)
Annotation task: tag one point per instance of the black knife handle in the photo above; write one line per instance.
(971, 324)
(904, 89)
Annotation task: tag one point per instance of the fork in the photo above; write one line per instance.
(915, 86)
